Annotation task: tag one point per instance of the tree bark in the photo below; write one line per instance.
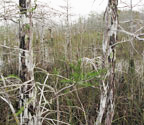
(107, 99)
(29, 114)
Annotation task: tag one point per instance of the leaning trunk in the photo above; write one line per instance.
(109, 56)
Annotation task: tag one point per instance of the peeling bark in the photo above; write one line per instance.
(26, 67)
(107, 100)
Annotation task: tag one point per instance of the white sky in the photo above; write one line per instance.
(83, 7)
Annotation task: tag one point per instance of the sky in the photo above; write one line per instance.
(83, 7)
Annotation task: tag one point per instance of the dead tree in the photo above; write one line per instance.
(29, 115)
(107, 98)
(68, 48)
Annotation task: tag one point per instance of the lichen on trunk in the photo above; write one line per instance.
(107, 98)
(26, 66)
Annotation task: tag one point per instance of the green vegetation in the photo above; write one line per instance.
(76, 83)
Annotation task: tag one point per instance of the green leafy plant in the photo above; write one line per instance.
(81, 77)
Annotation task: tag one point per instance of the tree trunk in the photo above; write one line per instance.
(131, 68)
(29, 114)
(109, 56)
(68, 51)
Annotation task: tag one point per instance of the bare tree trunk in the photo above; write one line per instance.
(131, 60)
(26, 67)
(58, 111)
(131, 28)
(68, 51)
(107, 100)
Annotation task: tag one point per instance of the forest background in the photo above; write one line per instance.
(56, 68)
